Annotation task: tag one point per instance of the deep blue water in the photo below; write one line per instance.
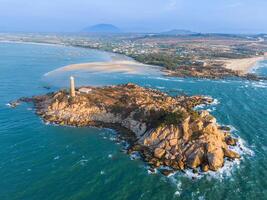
(39, 161)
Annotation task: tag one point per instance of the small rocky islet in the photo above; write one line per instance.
(164, 130)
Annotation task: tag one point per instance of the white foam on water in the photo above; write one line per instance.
(257, 66)
(201, 198)
(211, 107)
(82, 162)
(200, 106)
(112, 138)
(149, 171)
(135, 155)
(110, 155)
(160, 87)
(176, 79)
(179, 188)
(8, 104)
(56, 158)
(259, 84)
(233, 130)
(225, 172)
(172, 79)
(242, 148)
(215, 102)
(160, 78)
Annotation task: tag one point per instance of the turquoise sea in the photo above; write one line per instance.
(40, 161)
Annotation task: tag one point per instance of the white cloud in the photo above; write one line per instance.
(171, 5)
(234, 5)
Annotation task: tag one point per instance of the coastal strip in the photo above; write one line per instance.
(128, 64)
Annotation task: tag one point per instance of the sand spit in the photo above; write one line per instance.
(114, 66)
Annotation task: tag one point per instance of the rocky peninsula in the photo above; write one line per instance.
(165, 130)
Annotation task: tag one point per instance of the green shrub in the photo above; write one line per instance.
(162, 117)
(174, 118)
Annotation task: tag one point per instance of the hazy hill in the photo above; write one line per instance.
(178, 32)
(102, 28)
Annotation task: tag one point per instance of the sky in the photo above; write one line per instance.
(220, 16)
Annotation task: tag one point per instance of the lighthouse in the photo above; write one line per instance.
(72, 87)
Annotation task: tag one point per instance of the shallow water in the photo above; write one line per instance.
(39, 161)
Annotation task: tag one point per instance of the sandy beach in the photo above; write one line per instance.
(243, 65)
(114, 66)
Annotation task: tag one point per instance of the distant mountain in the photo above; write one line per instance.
(178, 32)
(102, 28)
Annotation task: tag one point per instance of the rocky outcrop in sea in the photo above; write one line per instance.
(165, 130)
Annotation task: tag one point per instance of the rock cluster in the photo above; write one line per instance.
(165, 130)
(193, 143)
(212, 72)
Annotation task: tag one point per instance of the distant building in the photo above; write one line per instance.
(85, 90)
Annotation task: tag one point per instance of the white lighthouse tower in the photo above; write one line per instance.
(72, 87)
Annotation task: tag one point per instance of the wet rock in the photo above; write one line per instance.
(166, 172)
(230, 141)
(151, 170)
(14, 104)
(205, 167)
(231, 154)
(225, 128)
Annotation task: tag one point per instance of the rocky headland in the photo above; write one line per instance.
(165, 130)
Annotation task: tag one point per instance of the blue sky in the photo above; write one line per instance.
(229, 16)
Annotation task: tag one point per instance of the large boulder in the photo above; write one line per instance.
(196, 158)
(158, 153)
(231, 154)
(215, 159)
(186, 129)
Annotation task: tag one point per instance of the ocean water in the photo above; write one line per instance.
(40, 161)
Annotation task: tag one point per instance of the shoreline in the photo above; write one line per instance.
(121, 63)
(244, 65)
(34, 43)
